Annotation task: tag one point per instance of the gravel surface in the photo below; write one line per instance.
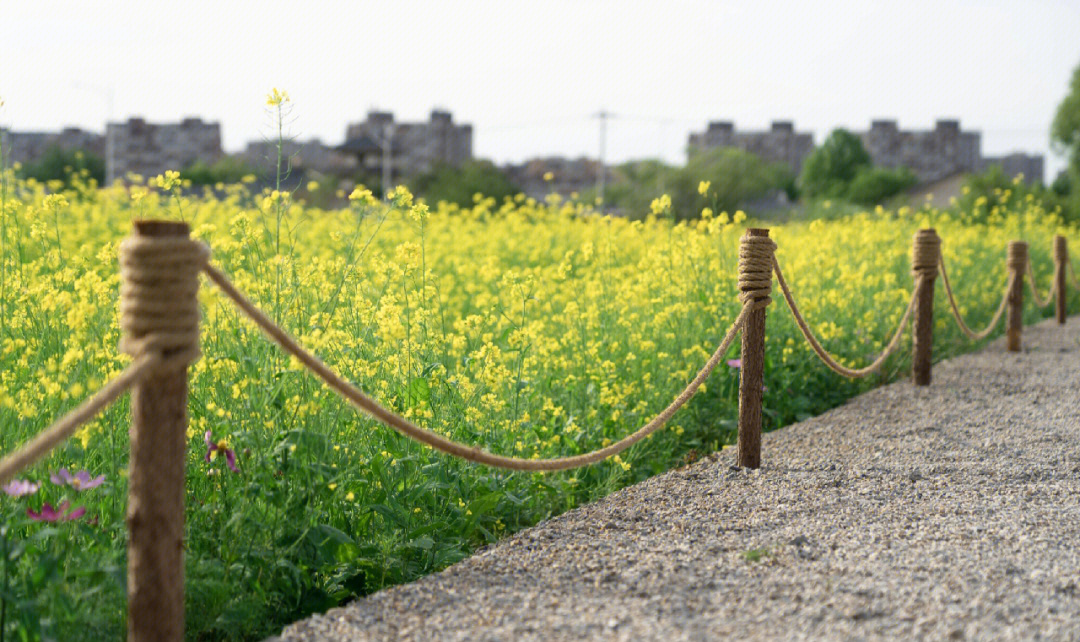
(947, 512)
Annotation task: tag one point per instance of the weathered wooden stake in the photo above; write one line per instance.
(925, 257)
(1017, 263)
(752, 370)
(155, 513)
(1061, 260)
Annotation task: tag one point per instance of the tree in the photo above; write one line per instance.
(634, 184)
(735, 177)
(1065, 130)
(459, 184)
(229, 169)
(830, 169)
(872, 185)
(64, 164)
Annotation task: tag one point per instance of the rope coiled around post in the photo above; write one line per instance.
(159, 310)
(1016, 256)
(925, 253)
(756, 257)
(357, 398)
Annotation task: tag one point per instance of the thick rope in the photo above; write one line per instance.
(1040, 302)
(159, 308)
(925, 252)
(985, 332)
(66, 426)
(1016, 256)
(828, 359)
(434, 440)
(756, 255)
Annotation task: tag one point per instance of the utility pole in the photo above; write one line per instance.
(387, 139)
(603, 115)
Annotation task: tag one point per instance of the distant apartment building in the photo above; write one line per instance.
(943, 151)
(31, 147)
(149, 149)
(311, 155)
(414, 148)
(539, 177)
(780, 144)
(930, 154)
(1030, 165)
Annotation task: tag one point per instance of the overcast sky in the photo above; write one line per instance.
(528, 75)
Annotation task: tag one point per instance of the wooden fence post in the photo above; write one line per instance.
(158, 299)
(755, 281)
(1017, 264)
(1061, 294)
(925, 258)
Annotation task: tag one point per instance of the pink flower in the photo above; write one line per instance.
(734, 363)
(220, 448)
(20, 487)
(79, 481)
(59, 514)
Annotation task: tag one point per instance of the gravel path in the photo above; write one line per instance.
(948, 512)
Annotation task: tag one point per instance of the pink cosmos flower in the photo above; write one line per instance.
(79, 481)
(734, 363)
(20, 487)
(58, 514)
(220, 448)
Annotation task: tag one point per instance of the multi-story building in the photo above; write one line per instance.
(414, 148)
(311, 155)
(780, 144)
(150, 149)
(930, 154)
(31, 147)
(1030, 165)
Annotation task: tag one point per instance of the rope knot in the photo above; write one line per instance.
(159, 307)
(755, 270)
(1017, 256)
(925, 253)
(1061, 252)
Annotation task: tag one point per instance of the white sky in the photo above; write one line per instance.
(527, 75)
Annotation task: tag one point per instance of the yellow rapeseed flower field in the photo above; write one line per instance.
(536, 329)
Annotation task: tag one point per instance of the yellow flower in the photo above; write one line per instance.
(363, 195)
(703, 187)
(167, 181)
(548, 176)
(275, 98)
(401, 196)
(660, 205)
(55, 202)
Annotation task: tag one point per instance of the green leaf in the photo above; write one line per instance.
(419, 390)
